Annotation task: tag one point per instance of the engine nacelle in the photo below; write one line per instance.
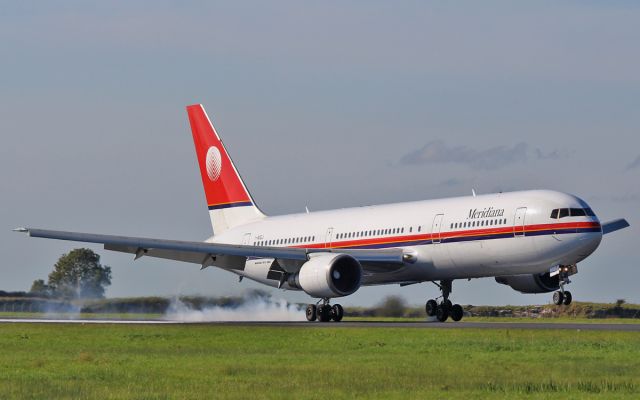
(328, 275)
(535, 283)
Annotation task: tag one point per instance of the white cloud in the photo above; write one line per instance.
(438, 152)
(634, 164)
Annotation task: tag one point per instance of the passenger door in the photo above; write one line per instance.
(518, 222)
(436, 228)
(328, 238)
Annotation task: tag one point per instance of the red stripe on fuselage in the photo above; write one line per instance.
(449, 235)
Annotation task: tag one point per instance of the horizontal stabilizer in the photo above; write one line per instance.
(614, 225)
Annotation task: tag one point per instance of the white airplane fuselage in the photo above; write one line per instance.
(444, 239)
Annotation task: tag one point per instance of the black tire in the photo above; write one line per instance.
(567, 298)
(337, 312)
(430, 308)
(442, 313)
(311, 312)
(457, 312)
(448, 304)
(324, 313)
(558, 298)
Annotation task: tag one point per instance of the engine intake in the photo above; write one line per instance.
(328, 275)
(535, 283)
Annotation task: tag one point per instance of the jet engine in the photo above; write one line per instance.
(535, 283)
(328, 275)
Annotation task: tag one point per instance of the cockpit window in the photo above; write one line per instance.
(571, 212)
(577, 212)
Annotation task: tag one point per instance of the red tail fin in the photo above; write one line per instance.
(223, 186)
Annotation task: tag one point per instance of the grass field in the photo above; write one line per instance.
(206, 361)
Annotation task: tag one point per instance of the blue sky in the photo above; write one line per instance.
(323, 105)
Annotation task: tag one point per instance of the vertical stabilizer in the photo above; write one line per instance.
(228, 199)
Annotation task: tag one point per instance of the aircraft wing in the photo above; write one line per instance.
(206, 254)
(614, 225)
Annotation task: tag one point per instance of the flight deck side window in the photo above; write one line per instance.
(577, 212)
(589, 212)
(554, 214)
(564, 212)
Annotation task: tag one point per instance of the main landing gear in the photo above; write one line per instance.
(324, 312)
(563, 296)
(445, 308)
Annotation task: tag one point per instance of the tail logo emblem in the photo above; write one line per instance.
(214, 163)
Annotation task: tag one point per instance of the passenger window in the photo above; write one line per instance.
(410, 229)
(564, 212)
(419, 228)
(577, 212)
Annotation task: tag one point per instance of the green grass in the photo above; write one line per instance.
(208, 361)
(553, 320)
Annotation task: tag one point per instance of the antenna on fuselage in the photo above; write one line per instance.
(473, 192)
(306, 209)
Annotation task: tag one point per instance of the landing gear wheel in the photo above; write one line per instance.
(457, 312)
(567, 298)
(558, 298)
(449, 304)
(311, 312)
(324, 313)
(442, 312)
(337, 312)
(431, 307)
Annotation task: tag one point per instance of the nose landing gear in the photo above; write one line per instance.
(445, 308)
(324, 312)
(564, 296)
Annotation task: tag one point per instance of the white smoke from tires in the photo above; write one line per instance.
(253, 309)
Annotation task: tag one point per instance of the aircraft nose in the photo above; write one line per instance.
(586, 243)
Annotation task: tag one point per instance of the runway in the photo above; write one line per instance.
(632, 327)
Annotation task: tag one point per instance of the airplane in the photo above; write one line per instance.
(529, 240)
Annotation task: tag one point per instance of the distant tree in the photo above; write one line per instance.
(39, 288)
(392, 306)
(79, 274)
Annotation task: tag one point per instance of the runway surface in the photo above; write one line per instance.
(355, 324)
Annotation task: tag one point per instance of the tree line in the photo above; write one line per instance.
(76, 275)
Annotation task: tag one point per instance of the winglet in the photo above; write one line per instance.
(24, 230)
(614, 225)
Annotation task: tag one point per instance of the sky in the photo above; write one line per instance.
(321, 104)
